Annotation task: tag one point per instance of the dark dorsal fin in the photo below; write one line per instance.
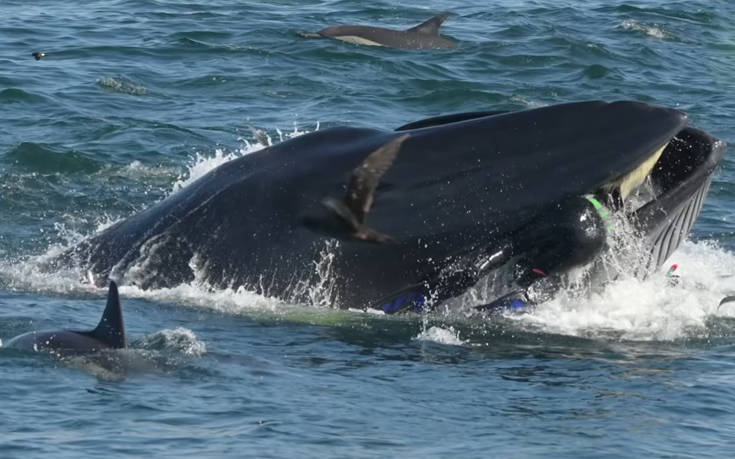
(111, 329)
(430, 27)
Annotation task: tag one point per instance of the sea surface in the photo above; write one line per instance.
(135, 99)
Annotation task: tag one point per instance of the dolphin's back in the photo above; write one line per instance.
(423, 36)
(378, 36)
(109, 333)
(54, 341)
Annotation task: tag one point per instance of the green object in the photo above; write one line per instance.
(600, 208)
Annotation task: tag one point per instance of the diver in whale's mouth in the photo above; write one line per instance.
(660, 199)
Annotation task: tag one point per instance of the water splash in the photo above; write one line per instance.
(441, 335)
(179, 340)
(321, 292)
(645, 310)
(202, 163)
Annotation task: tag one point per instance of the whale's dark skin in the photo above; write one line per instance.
(466, 195)
(109, 334)
(423, 36)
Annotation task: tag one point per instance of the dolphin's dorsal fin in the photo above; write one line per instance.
(111, 329)
(430, 27)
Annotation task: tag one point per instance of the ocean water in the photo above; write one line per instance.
(135, 99)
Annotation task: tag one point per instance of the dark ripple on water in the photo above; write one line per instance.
(14, 95)
(44, 158)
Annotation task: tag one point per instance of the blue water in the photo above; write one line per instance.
(134, 99)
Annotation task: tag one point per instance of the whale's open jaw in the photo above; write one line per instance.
(616, 192)
(686, 160)
(663, 196)
(677, 186)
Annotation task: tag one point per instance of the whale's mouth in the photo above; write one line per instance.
(617, 192)
(663, 196)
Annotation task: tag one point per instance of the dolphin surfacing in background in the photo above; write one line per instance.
(109, 334)
(423, 36)
(391, 218)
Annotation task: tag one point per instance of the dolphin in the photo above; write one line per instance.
(423, 36)
(109, 334)
(410, 218)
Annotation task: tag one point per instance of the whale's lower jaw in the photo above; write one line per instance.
(681, 177)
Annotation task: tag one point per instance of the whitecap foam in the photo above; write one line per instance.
(227, 300)
(645, 310)
(650, 30)
(122, 85)
(441, 335)
(627, 309)
(137, 170)
(179, 340)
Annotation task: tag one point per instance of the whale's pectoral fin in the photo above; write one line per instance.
(344, 224)
(366, 234)
(345, 218)
(430, 27)
(366, 177)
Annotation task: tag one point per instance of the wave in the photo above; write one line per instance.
(15, 95)
(44, 158)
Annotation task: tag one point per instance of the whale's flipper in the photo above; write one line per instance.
(111, 329)
(361, 191)
(430, 27)
(348, 223)
(345, 218)
(366, 177)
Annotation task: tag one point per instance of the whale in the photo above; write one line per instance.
(108, 334)
(408, 219)
(423, 36)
